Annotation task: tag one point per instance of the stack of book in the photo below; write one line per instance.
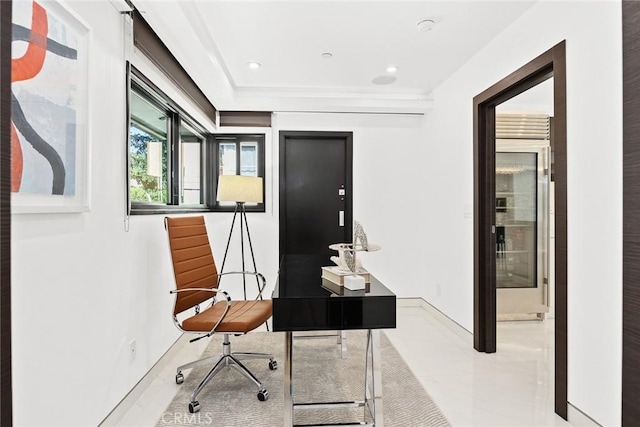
(334, 277)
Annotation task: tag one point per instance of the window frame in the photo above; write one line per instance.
(176, 116)
(209, 154)
(238, 139)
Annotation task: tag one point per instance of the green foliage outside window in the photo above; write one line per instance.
(144, 187)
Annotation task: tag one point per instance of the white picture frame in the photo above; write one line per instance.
(50, 109)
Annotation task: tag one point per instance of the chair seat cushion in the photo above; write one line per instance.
(242, 317)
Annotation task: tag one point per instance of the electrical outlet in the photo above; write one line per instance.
(132, 350)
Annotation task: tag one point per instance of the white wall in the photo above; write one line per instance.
(594, 102)
(83, 287)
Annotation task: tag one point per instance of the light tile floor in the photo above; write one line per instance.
(512, 387)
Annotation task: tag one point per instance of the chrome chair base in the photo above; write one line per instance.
(226, 359)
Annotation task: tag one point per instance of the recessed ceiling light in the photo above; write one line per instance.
(392, 69)
(426, 25)
(254, 65)
(383, 80)
(327, 55)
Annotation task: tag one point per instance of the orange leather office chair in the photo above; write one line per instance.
(197, 281)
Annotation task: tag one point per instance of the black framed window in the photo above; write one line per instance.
(167, 152)
(173, 164)
(238, 154)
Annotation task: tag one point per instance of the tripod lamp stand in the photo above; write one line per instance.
(240, 189)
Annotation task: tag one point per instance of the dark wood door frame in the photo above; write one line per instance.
(348, 214)
(6, 397)
(631, 213)
(550, 63)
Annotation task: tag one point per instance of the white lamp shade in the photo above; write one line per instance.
(238, 188)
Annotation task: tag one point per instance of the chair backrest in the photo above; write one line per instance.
(193, 263)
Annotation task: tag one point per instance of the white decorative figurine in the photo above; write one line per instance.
(346, 259)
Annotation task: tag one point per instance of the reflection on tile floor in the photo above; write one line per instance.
(512, 387)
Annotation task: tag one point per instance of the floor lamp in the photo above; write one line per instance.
(240, 189)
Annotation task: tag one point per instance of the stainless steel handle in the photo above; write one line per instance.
(341, 218)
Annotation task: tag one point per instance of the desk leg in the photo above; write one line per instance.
(342, 340)
(288, 379)
(376, 373)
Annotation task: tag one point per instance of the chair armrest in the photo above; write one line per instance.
(258, 275)
(215, 291)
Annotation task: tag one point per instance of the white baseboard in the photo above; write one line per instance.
(578, 418)
(409, 302)
(454, 326)
(130, 399)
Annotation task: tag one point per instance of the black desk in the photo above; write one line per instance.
(302, 303)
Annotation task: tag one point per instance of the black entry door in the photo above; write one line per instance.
(315, 191)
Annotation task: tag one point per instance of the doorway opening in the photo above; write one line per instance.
(524, 206)
(551, 63)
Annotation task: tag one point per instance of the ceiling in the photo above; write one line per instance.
(215, 39)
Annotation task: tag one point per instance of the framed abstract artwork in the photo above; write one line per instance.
(49, 109)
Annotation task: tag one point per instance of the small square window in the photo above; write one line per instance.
(239, 154)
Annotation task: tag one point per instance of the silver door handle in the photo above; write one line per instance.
(341, 218)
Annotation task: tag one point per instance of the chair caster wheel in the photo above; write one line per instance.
(273, 365)
(179, 378)
(194, 407)
(263, 395)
